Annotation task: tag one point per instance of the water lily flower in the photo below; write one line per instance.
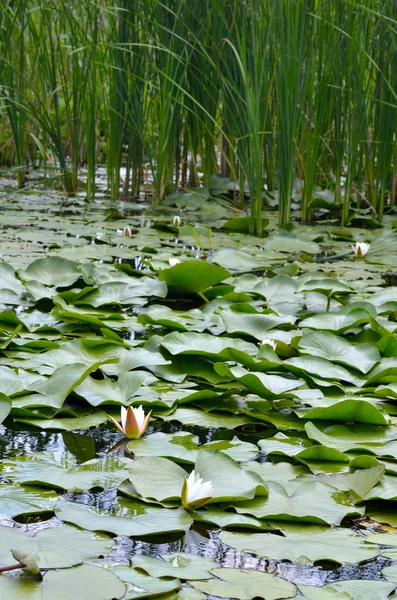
(269, 342)
(127, 232)
(360, 249)
(26, 562)
(195, 491)
(173, 261)
(133, 422)
(176, 221)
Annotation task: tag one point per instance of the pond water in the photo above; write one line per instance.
(270, 366)
(198, 540)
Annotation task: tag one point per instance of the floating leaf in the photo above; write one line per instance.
(312, 502)
(162, 480)
(140, 585)
(16, 500)
(85, 581)
(245, 585)
(184, 447)
(5, 407)
(327, 345)
(130, 518)
(61, 471)
(52, 271)
(179, 565)
(363, 589)
(54, 548)
(195, 276)
(304, 545)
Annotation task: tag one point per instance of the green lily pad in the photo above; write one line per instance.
(162, 480)
(228, 519)
(179, 565)
(54, 390)
(193, 416)
(255, 325)
(60, 471)
(66, 423)
(342, 438)
(245, 585)
(194, 276)
(55, 547)
(363, 589)
(52, 271)
(5, 407)
(16, 500)
(129, 518)
(85, 581)
(319, 367)
(304, 545)
(205, 345)
(345, 410)
(327, 345)
(266, 386)
(184, 447)
(106, 391)
(140, 585)
(311, 502)
(240, 260)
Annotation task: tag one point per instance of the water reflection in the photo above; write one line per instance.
(20, 443)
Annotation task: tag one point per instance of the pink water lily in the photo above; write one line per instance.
(134, 422)
(195, 491)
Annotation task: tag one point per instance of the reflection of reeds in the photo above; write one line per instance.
(264, 91)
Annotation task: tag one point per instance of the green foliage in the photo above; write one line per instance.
(295, 102)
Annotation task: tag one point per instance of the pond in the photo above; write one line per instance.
(268, 365)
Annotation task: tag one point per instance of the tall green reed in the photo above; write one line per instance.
(174, 91)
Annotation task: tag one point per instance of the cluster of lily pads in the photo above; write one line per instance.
(262, 380)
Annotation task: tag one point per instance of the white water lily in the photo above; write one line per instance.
(195, 491)
(173, 261)
(127, 232)
(269, 342)
(134, 422)
(360, 249)
(176, 221)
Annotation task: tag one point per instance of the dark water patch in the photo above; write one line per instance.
(104, 499)
(369, 570)
(390, 279)
(15, 443)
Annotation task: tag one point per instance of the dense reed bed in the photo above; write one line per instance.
(288, 98)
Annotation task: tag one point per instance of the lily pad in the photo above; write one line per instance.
(85, 581)
(327, 345)
(61, 471)
(5, 407)
(52, 271)
(304, 545)
(184, 447)
(363, 589)
(312, 502)
(16, 500)
(131, 518)
(245, 585)
(140, 585)
(194, 276)
(161, 479)
(55, 547)
(179, 565)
